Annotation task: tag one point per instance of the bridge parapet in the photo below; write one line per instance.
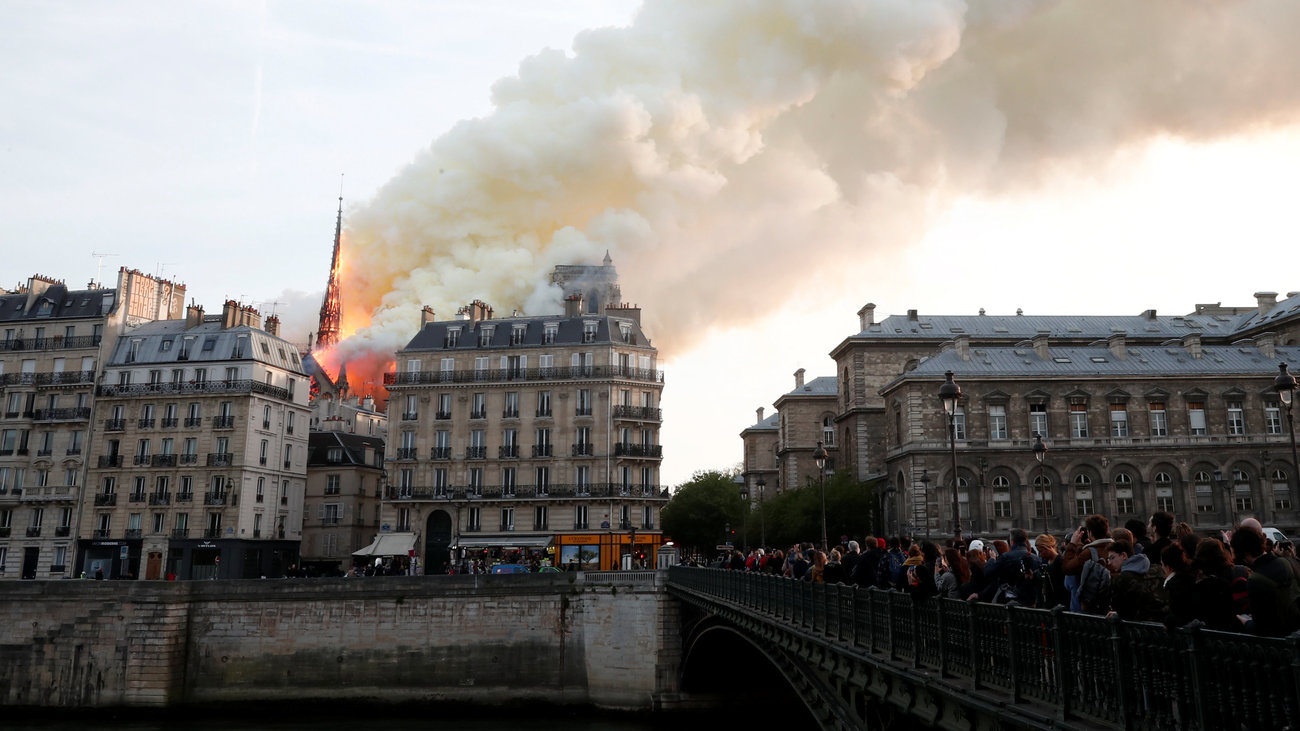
(1009, 664)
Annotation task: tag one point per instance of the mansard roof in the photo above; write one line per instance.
(1163, 361)
(57, 302)
(164, 342)
(569, 330)
(353, 445)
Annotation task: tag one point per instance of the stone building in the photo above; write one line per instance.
(527, 437)
(53, 340)
(762, 446)
(341, 509)
(199, 455)
(1138, 413)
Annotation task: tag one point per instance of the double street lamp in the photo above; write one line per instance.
(950, 394)
(1040, 454)
(1285, 385)
(819, 458)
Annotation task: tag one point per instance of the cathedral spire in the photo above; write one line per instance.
(331, 309)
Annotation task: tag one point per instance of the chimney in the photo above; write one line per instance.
(1118, 345)
(1040, 345)
(962, 346)
(479, 311)
(1266, 342)
(1192, 341)
(250, 316)
(426, 316)
(193, 315)
(1265, 301)
(867, 316)
(1149, 315)
(368, 403)
(229, 314)
(798, 378)
(573, 305)
(631, 312)
(760, 415)
(911, 315)
(273, 325)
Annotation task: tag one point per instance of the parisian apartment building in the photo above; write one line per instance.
(1135, 414)
(54, 340)
(528, 438)
(197, 455)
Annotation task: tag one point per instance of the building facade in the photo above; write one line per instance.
(1138, 413)
(341, 511)
(533, 437)
(199, 454)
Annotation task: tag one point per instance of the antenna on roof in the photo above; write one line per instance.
(272, 304)
(100, 265)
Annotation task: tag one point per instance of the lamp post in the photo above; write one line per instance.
(950, 394)
(1285, 385)
(819, 458)
(762, 522)
(925, 491)
(744, 520)
(890, 491)
(1040, 454)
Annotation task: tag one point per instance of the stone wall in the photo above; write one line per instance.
(606, 639)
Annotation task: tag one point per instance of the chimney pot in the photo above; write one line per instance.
(1118, 345)
(962, 345)
(1267, 342)
(1040, 346)
(798, 378)
(1265, 301)
(760, 414)
(427, 315)
(867, 316)
(912, 315)
(1192, 341)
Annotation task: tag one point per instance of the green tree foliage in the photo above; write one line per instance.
(701, 508)
(795, 515)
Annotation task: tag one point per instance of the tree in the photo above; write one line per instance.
(795, 515)
(700, 510)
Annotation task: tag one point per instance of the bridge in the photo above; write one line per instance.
(876, 659)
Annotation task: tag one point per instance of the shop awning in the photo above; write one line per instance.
(505, 542)
(389, 544)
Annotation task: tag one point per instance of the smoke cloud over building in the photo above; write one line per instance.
(730, 156)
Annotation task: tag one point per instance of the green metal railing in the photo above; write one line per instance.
(1074, 666)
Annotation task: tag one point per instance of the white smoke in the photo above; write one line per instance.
(729, 155)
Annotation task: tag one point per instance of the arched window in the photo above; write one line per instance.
(1082, 480)
(1163, 478)
(1124, 493)
(1000, 482)
(1123, 479)
(1281, 490)
(828, 432)
(1242, 500)
(1204, 493)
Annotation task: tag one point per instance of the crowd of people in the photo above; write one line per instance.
(1158, 571)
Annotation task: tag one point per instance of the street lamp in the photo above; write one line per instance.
(819, 457)
(1285, 385)
(890, 491)
(949, 394)
(744, 523)
(1040, 454)
(925, 491)
(762, 522)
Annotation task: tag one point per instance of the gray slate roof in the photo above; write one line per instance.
(769, 423)
(161, 342)
(353, 445)
(55, 303)
(1099, 361)
(820, 386)
(433, 335)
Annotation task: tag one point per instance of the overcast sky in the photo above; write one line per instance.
(204, 141)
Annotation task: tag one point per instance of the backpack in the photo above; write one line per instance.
(1094, 585)
(890, 571)
(1288, 594)
(1018, 582)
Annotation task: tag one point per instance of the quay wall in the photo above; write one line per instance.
(609, 639)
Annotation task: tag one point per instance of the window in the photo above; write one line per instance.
(512, 405)
(1038, 419)
(1042, 496)
(543, 481)
(584, 402)
(474, 522)
(959, 424)
(1196, 418)
(1272, 418)
(1204, 492)
(543, 403)
(1281, 491)
(1159, 419)
(1079, 421)
(542, 447)
(1241, 497)
(507, 518)
(580, 516)
(508, 481)
(539, 517)
(476, 481)
(1236, 422)
(998, 422)
(1124, 494)
(404, 519)
(1119, 420)
(159, 522)
(828, 432)
(444, 406)
(589, 331)
(1001, 497)
(332, 483)
(582, 480)
(549, 330)
(452, 339)
(647, 516)
(1164, 492)
(440, 482)
(478, 409)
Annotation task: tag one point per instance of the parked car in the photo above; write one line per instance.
(1275, 535)
(510, 568)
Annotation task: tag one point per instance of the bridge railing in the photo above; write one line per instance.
(1074, 666)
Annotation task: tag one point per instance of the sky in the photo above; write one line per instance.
(758, 170)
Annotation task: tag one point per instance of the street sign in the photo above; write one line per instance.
(123, 553)
(724, 547)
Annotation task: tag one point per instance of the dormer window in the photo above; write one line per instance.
(485, 336)
(549, 331)
(517, 333)
(625, 329)
(589, 331)
(452, 338)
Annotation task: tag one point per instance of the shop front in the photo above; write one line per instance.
(230, 559)
(110, 559)
(606, 551)
(489, 550)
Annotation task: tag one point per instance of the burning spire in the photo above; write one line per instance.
(331, 309)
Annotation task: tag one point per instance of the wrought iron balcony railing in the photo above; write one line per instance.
(398, 379)
(232, 386)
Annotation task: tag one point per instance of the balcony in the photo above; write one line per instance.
(649, 451)
(478, 414)
(61, 378)
(54, 343)
(135, 497)
(543, 413)
(73, 452)
(105, 499)
(510, 414)
(583, 525)
(184, 497)
(220, 459)
(102, 533)
(189, 459)
(169, 423)
(211, 533)
(141, 460)
(584, 450)
(639, 413)
(223, 422)
(406, 453)
(232, 386)
(44, 452)
(398, 379)
(582, 411)
(146, 423)
(476, 453)
(440, 453)
(160, 498)
(193, 422)
(33, 531)
(214, 498)
(442, 415)
(180, 533)
(68, 414)
(114, 424)
(410, 416)
(134, 533)
(542, 450)
(508, 452)
(164, 460)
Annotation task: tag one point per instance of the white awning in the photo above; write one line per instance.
(389, 544)
(506, 541)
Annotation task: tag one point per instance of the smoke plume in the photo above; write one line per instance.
(730, 155)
